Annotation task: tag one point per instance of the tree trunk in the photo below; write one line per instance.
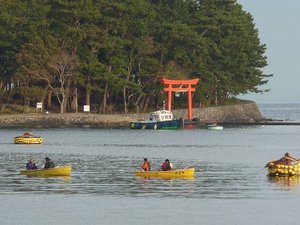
(137, 104)
(129, 70)
(125, 100)
(105, 98)
(49, 98)
(74, 102)
(146, 103)
(25, 106)
(62, 104)
(43, 97)
(67, 95)
(88, 92)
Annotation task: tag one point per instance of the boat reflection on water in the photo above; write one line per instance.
(65, 179)
(165, 187)
(190, 126)
(165, 178)
(286, 181)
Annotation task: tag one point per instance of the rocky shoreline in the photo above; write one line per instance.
(242, 114)
(42, 120)
(245, 113)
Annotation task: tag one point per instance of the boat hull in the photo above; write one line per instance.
(213, 127)
(275, 169)
(56, 171)
(179, 173)
(28, 140)
(158, 125)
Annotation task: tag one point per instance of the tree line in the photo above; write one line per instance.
(110, 54)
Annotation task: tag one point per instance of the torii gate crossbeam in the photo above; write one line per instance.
(180, 86)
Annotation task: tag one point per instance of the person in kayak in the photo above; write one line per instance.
(146, 165)
(31, 165)
(287, 159)
(167, 165)
(49, 163)
(28, 134)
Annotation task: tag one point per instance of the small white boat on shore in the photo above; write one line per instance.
(213, 127)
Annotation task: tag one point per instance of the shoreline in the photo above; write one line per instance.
(108, 121)
(244, 114)
(53, 120)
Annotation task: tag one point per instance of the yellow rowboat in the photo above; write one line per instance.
(279, 169)
(56, 171)
(178, 173)
(28, 140)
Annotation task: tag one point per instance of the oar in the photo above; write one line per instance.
(188, 167)
(193, 165)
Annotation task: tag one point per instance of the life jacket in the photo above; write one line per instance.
(146, 166)
(29, 166)
(166, 166)
(49, 164)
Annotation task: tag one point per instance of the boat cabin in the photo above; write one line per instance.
(161, 115)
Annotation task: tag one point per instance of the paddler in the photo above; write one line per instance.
(30, 165)
(286, 159)
(146, 165)
(48, 163)
(167, 165)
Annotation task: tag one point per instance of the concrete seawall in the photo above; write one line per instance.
(242, 113)
(63, 120)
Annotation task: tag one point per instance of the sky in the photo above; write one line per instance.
(278, 24)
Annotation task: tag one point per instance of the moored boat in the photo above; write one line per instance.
(178, 173)
(213, 127)
(56, 171)
(28, 138)
(162, 119)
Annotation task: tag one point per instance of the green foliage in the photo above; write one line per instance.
(123, 47)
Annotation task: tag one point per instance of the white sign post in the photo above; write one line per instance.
(39, 106)
(86, 108)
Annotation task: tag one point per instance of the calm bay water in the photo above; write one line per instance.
(230, 184)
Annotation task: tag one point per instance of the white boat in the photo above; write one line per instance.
(213, 127)
(162, 119)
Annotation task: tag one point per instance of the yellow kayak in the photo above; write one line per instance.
(279, 169)
(28, 140)
(178, 173)
(56, 171)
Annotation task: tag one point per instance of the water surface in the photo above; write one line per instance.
(230, 184)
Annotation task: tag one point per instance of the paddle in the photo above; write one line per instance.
(188, 167)
(193, 165)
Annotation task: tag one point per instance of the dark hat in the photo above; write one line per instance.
(47, 158)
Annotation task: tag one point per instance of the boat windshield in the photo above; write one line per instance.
(162, 115)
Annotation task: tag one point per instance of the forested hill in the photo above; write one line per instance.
(110, 54)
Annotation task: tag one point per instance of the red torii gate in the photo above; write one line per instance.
(179, 86)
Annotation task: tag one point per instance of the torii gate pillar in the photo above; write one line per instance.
(180, 86)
